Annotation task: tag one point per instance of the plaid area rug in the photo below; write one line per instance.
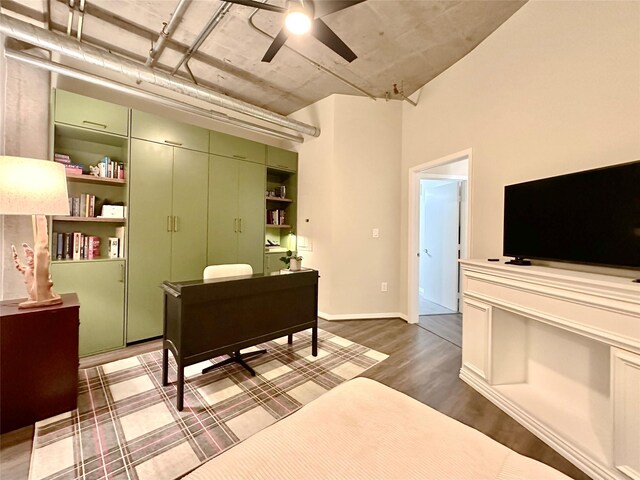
(127, 427)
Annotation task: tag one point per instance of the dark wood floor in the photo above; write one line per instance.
(447, 327)
(421, 364)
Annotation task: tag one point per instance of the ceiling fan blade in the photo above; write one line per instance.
(260, 5)
(276, 45)
(322, 32)
(326, 7)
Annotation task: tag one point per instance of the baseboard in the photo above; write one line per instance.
(362, 316)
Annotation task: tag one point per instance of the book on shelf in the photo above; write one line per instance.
(59, 246)
(113, 247)
(67, 248)
(108, 168)
(120, 235)
(94, 247)
(62, 158)
(276, 217)
(77, 246)
(73, 169)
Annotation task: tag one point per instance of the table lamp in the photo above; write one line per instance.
(37, 188)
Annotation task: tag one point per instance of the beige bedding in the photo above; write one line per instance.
(365, 430)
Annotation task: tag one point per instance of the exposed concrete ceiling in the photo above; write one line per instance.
(403, 42)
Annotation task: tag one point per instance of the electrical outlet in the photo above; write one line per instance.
(383, 287)
(375, 233)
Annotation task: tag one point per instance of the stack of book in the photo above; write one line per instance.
(276, 217)
(76, 246)
(110, 169)
(66, 161)
(83, 206)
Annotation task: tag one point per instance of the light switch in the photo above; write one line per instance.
(375, 233)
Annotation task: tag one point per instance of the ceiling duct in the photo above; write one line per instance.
(89, 54)
(137, 92)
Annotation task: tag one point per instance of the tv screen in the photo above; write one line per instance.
(590, 217)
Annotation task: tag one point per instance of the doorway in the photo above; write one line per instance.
(438, 236)
(438, 281)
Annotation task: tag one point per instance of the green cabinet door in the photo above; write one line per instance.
(150, 197)
(281, 159)
(272, 262)
(222, 245)
(251, 198)
(170, 132)
(100, 288)
(236, 147)
(90, 113)
(189, 239)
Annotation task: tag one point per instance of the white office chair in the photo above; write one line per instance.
(231, 270)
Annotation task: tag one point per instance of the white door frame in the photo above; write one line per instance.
(415, 174)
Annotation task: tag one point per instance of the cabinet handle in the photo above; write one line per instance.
(169, 224)
(175, 223)
(121, 273)
(240, 222)
(178, 144)
(235, 225)
(94, 123)
(239, 156)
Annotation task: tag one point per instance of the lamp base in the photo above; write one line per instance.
(41, 303)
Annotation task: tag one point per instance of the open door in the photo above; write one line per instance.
(439, 242)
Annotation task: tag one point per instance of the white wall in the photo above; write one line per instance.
(349, 183)
(555, 89)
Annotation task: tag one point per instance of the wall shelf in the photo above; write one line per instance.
(63, 218)
(278, 199)
(93, 179)
(269, 225)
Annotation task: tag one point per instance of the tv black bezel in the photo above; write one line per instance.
(559, 260)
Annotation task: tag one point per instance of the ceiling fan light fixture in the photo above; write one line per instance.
(297, 22)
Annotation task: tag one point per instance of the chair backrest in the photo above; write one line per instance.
(227, 270)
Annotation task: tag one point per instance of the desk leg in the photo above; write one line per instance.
(291, 339)
(180, 395)
(165, 367)
(314, 341)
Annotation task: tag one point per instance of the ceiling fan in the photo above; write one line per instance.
(304, 16)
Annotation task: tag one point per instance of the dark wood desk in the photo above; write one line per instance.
(38, 361)
(207, 318)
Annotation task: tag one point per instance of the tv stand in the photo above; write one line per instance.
(559, 351)
(519, 261)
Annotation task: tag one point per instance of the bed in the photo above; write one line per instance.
(365, 430)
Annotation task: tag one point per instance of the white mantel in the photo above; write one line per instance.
(559, 351)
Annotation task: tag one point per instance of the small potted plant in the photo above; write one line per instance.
(294, 262)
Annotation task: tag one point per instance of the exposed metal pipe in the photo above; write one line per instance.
(80, 19)
(166, 32)
(170, 102)
(312, 62)
(202, 36)
(25, 32)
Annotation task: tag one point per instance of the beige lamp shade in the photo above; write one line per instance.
(29, 186)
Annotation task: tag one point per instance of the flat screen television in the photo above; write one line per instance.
(589, 217)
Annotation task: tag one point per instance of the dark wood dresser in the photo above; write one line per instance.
(38, 361)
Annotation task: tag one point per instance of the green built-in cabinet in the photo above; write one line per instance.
(236, 147)
(272, 262)
(87, 130)
(194, 197)
(236, 212)
(169, 132)
(167, 228)
(100, 288)
(89, 113)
